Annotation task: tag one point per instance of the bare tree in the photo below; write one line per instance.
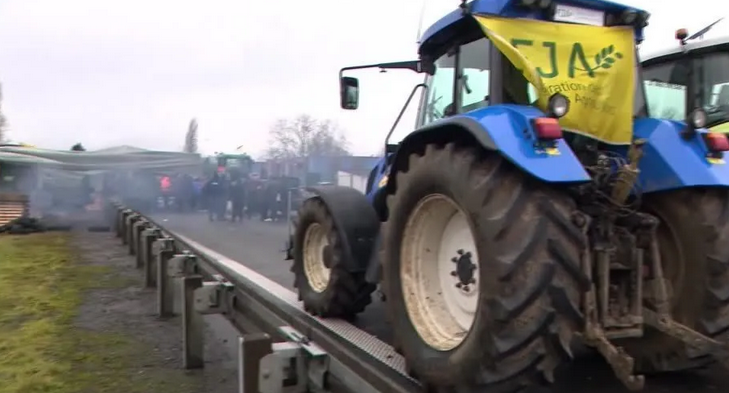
(3, 119)
(305, 136)
(191, 138)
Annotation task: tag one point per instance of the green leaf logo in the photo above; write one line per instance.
(606, 58)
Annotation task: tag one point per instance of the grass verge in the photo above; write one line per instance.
(42, 286)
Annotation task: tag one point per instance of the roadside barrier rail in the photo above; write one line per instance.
(281, 348)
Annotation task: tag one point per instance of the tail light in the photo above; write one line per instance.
(547, 129)
(716, 142)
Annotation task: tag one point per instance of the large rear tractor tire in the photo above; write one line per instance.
(325, 285)
(481, 272)
(693, 237)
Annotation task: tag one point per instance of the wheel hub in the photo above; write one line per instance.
(464, 270)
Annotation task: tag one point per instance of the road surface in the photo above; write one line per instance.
(259, 245)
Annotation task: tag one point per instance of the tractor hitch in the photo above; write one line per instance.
(692, 338)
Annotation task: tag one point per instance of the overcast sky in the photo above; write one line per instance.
(135, 72)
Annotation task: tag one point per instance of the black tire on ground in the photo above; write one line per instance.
(346, 293)
(530, 280)
(694, 241)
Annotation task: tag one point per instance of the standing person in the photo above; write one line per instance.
(214, 197)
(198, 201)
(269, 201)
(185, 193)
(165, 187)
(237, 198)
(250, 197)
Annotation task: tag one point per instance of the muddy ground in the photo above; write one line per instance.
(152, 354)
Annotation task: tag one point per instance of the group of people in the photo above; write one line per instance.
(269, 199)
(226, 196)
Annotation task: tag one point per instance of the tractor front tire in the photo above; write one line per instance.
(464, 221)
(693, 237)
(325, 285)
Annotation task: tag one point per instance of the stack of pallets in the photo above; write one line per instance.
(12, 206)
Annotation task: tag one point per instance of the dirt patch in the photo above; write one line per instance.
(74, 318)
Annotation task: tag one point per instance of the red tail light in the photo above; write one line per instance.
(716, 142)
(547, 129)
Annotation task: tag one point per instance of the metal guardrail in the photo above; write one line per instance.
(281, 348)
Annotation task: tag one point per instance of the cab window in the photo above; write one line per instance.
(665, 90)
(474, 67)
(475, 74)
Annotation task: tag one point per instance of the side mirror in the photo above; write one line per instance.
(349, 93)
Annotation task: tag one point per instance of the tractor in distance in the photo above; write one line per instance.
(535, 202)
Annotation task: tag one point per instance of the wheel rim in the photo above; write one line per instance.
(438, 272)
(316, 271)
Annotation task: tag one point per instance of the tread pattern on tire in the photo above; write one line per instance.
(347, 293)
(710, 206)
(537, 261)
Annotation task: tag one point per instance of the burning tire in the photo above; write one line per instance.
(325, 286)
(693, 237)
(481, 271)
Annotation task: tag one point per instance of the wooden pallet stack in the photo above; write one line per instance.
(12, 206)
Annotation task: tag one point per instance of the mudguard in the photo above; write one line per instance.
(356, 223)
(670, 161)
(508, 130)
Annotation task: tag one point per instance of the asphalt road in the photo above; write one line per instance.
(258, 245)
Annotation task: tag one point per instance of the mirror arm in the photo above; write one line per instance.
(413, 65)
(402, 111)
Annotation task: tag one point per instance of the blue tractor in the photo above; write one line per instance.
(498, 230)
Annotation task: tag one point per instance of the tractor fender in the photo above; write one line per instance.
(505, 129)
(355, 220)
(671, 161)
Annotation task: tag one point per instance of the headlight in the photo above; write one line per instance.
(558, 105)
(698, 118)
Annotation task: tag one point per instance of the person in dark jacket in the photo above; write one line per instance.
(215, 197)
(184, 193)
(237, 193)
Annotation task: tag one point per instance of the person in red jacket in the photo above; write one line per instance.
(165, 186)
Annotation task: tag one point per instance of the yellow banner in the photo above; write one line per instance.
(592, 66)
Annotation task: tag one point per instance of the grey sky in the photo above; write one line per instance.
(135, 72)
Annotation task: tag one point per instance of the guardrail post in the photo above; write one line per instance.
(145, 253)
(121, 229)
(168, 285)
(163, 249)
(137, 229)
(251, 349)
(192, 325)
(129, 230)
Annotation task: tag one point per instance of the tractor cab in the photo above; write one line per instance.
(696, 68)
(529, 58)
(471, 70)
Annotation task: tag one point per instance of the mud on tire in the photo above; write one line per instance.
(693, 238)
(344, 294)
(529, 279)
